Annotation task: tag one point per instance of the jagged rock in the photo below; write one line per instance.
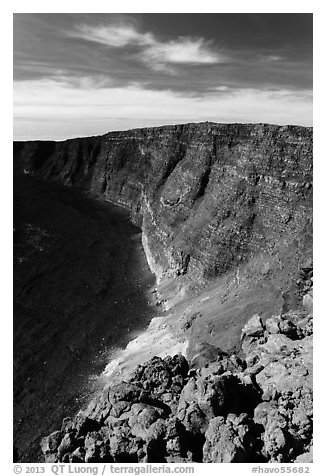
(281, 440)
(274, 443)
(155, 443)
(288, 328)
(96, 449)
(125, 391)
(99, 408)
(77, 456)
(299, 406)
(203, 354)
(121, 414)
(67, 425)
(50, 444)
(157, 376)
(282, 369)
(68, 444)
(168, 415)
(66, 458)
(281, 325)
(119, 408)
(224, 364)
(51, 458)
(140, 423)
(305, 283)
(193, 418)
(278, 440)
(249, 344)
(124, 448)
(173, 448)
(189, 321)
(301, 420)
(253, 328)
(227, 441)
(287, 425)
(287, 364)
(84, 425)
(203, 398)
(177, 364)
(273, 325)
(263, 411)
(307, 328)
(301, 320)
(174, 443)
(162, 381)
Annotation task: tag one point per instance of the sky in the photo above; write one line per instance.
(86, 74)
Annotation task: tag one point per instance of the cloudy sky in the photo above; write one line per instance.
(86, 74)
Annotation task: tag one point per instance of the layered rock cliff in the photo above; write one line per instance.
(208, 196)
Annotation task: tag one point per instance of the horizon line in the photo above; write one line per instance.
(159, 127)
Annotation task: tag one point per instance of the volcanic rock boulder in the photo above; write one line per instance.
(281, 367)
(49, 446)
(204, 398)
(162, 381)
(202, 354)
(229, 440)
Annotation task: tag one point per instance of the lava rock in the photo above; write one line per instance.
(85, 425)
(77, 456)
(124, 391)
(253, 328)
(50, 444)
(124, 448)
(287, 364)
(281, 325)
(96, 450)
(203, 398)
(203, 354)
(140, 423)
(68, 444)
(225, 442)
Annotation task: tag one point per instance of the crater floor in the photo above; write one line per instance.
(81, 291)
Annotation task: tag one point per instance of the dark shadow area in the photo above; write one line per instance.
(80, 281)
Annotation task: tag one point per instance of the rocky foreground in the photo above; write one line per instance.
(252, 406)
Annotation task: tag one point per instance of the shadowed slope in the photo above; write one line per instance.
(80, 281)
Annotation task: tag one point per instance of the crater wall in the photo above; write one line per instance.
(208, 196)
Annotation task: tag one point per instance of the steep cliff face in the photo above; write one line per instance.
(226, 218)
(208, 196)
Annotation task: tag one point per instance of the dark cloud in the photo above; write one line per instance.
(198, 50)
